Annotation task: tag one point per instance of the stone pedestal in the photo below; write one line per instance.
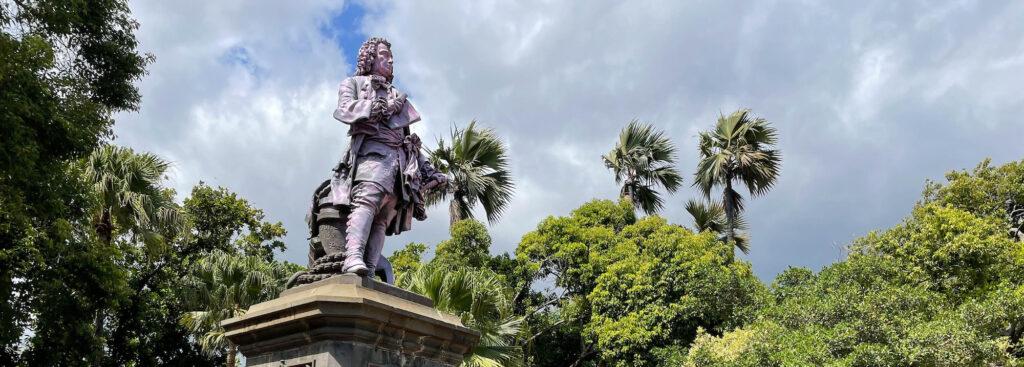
(349, 321)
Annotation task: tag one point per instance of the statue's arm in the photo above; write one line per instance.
(350, 108)
(432, 177)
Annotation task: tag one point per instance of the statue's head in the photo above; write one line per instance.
(375, 58)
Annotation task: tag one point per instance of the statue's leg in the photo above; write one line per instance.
(375, 242)
(366, 200)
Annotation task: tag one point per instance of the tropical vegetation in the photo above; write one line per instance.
(223, 285)
(101, 264)
(477, 167)
(739, 150)
(642, 160)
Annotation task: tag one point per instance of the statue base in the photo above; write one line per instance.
(348, 321)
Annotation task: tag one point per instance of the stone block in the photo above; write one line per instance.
(349, 321)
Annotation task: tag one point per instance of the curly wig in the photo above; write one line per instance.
(367, 52)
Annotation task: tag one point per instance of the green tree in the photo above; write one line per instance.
(630, 292)
(660, 285)
(739, 150)
(146, 325)
(943, 288)
(129, 190)
(468, 246)
(223, 285)
(476, 164)
(480, 299)
(127, 187)
(985, 191)
(221, 220)
(710, 216)
(66, 69)
(407, 259)
(641, 160)
(570, 250)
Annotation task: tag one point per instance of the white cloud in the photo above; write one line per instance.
(870, 99)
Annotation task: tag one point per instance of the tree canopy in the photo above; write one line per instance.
(943, 288)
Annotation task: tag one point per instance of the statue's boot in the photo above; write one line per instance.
(353, 259)
(372, 210)
(375, 242)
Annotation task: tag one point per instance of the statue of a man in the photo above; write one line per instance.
(379, 185)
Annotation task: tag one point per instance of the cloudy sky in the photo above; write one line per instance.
(871, 98)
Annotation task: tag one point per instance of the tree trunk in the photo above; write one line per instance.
(232, 350)
(454, 213)
(729, 203)
(105, 227)
(98, 326)
(1016, 333)
(730, 211)
(585, 351)
(627, 192)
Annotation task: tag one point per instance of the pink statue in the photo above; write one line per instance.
(379, 185)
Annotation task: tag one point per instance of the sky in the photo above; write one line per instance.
(870, 98)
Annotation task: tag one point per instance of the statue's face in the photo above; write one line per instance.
(383, 63)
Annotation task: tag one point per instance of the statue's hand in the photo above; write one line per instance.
(377, 109)
(394, 105)
(442, 180)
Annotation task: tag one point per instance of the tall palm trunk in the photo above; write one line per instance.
(232, 350)
(105, 230)
(729, 202)
(454, 211)
(627, 192)
(105, 227)
(629, 188)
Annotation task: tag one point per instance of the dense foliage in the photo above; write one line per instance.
(66, 68)
(223, 285)
(944, 288)
(101, 266)
(634, 292)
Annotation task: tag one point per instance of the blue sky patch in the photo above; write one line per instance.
(240, 56)
(345, 29)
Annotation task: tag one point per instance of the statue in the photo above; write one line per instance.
(378, 187)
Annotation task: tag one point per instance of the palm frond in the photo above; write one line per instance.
(478, 170)
(479, 299)
(740, 149)
(642, 160)
(223, 285)
(128, 186)
(707, 216)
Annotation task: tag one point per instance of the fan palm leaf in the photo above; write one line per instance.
(128, 187)
(476, 163)
(642, 160)
(710, 216)
(481, 301)
(739, 150)
(221, 286)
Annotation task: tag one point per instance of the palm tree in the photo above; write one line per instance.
(476, 164)
(127, 186)
(222, 286)
(710, 216)
(478, 297)
(642, 159)
(739, 150)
